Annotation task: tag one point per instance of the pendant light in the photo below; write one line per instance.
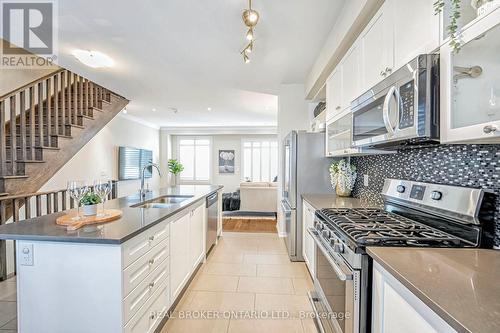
(250, 19)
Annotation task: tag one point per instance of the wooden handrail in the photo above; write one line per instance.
(27, 85)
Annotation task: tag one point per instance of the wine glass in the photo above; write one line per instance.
(77, 189)
(102, 188)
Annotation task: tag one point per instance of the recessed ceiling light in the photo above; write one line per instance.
(125, 111)
(209, 109)
(94, 59)
(154, 110)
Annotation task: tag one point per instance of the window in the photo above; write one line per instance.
(194, 154)
(260, 160)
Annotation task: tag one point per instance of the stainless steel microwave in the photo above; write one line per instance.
(401, 110)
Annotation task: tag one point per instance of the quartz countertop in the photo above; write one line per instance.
(320, 201)
(133, 221)
(460, 285)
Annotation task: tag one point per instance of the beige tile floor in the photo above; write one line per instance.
(246, 280)
(8, 311)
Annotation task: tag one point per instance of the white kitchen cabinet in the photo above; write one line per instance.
(377, 44)
(333, 94)
(470, 104)
(416, 29)
(187, 239)
(395, 309)
(180, 262)
(307, 240)
(197, 235)
(350, 70)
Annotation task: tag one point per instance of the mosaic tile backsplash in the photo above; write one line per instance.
(461, 165)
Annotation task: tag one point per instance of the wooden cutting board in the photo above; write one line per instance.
(67, 220)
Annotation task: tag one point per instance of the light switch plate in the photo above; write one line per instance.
(365, 180)
(26, 255)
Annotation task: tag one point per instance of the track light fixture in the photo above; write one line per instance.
(250, 19)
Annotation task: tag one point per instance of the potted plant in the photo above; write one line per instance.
(481, 6)
(89, 202)
(342, 176)
(175, 167)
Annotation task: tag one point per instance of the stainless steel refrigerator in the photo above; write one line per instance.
(305, 171)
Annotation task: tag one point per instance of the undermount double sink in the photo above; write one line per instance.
(163, 201)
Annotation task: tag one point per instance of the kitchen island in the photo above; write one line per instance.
(121, 276)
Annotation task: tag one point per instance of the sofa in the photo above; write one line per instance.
(259, 197)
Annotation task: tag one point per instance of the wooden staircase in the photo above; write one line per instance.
(45, 123)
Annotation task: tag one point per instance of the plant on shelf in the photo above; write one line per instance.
(455, 14)
(89, 202)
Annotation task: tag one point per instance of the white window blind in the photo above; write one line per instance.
(194, 154)
(260, 160)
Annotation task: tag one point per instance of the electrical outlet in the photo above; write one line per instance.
(26, 255)
(365, 180)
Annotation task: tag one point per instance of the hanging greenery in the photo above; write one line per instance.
(452, 27)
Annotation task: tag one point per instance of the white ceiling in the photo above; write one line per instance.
(184, 54)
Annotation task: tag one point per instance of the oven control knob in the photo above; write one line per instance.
(338, 247)
(318, 226)
(325, 233)
(436, 195)
(400, 189)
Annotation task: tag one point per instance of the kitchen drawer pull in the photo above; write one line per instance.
(151, 238)
(151, 261)
(152, 316)
(151, 285)
(337, 108)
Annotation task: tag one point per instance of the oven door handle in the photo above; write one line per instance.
(393, 92)
(343, 276)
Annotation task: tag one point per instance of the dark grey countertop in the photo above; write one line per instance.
(460, 285)
(320, 201)
(133, 221)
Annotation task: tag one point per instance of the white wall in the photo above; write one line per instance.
(292, 115)
(231, 182)
(99, 157)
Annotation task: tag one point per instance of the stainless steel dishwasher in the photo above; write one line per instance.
(212, 212)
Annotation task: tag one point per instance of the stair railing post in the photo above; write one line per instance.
(13, 135)
(22, 125)
(63, 103)
(32, 123)
(40, 114)
(56, 104)
(48, 110)
(80, 97)
(3, 134)
(75, 100)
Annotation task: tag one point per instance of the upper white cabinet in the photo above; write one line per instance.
(333, 95)
(377, 56)
(416, 29)
(350, 77)
(470, 85)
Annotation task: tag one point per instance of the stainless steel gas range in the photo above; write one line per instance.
(415, 214)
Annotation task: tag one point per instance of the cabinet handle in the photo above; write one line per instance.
(151, 261)
(151, 238)
(337, 108)
(489, 129)
(383, 73)
(151, 285)
(152, 316)
(388, 70)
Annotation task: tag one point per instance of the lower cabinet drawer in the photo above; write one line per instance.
(137, 271)
(136, 247)
(138, 297)
(151, 314)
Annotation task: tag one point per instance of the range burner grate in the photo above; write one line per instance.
(371, 226)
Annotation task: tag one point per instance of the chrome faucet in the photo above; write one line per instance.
(143, 191)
